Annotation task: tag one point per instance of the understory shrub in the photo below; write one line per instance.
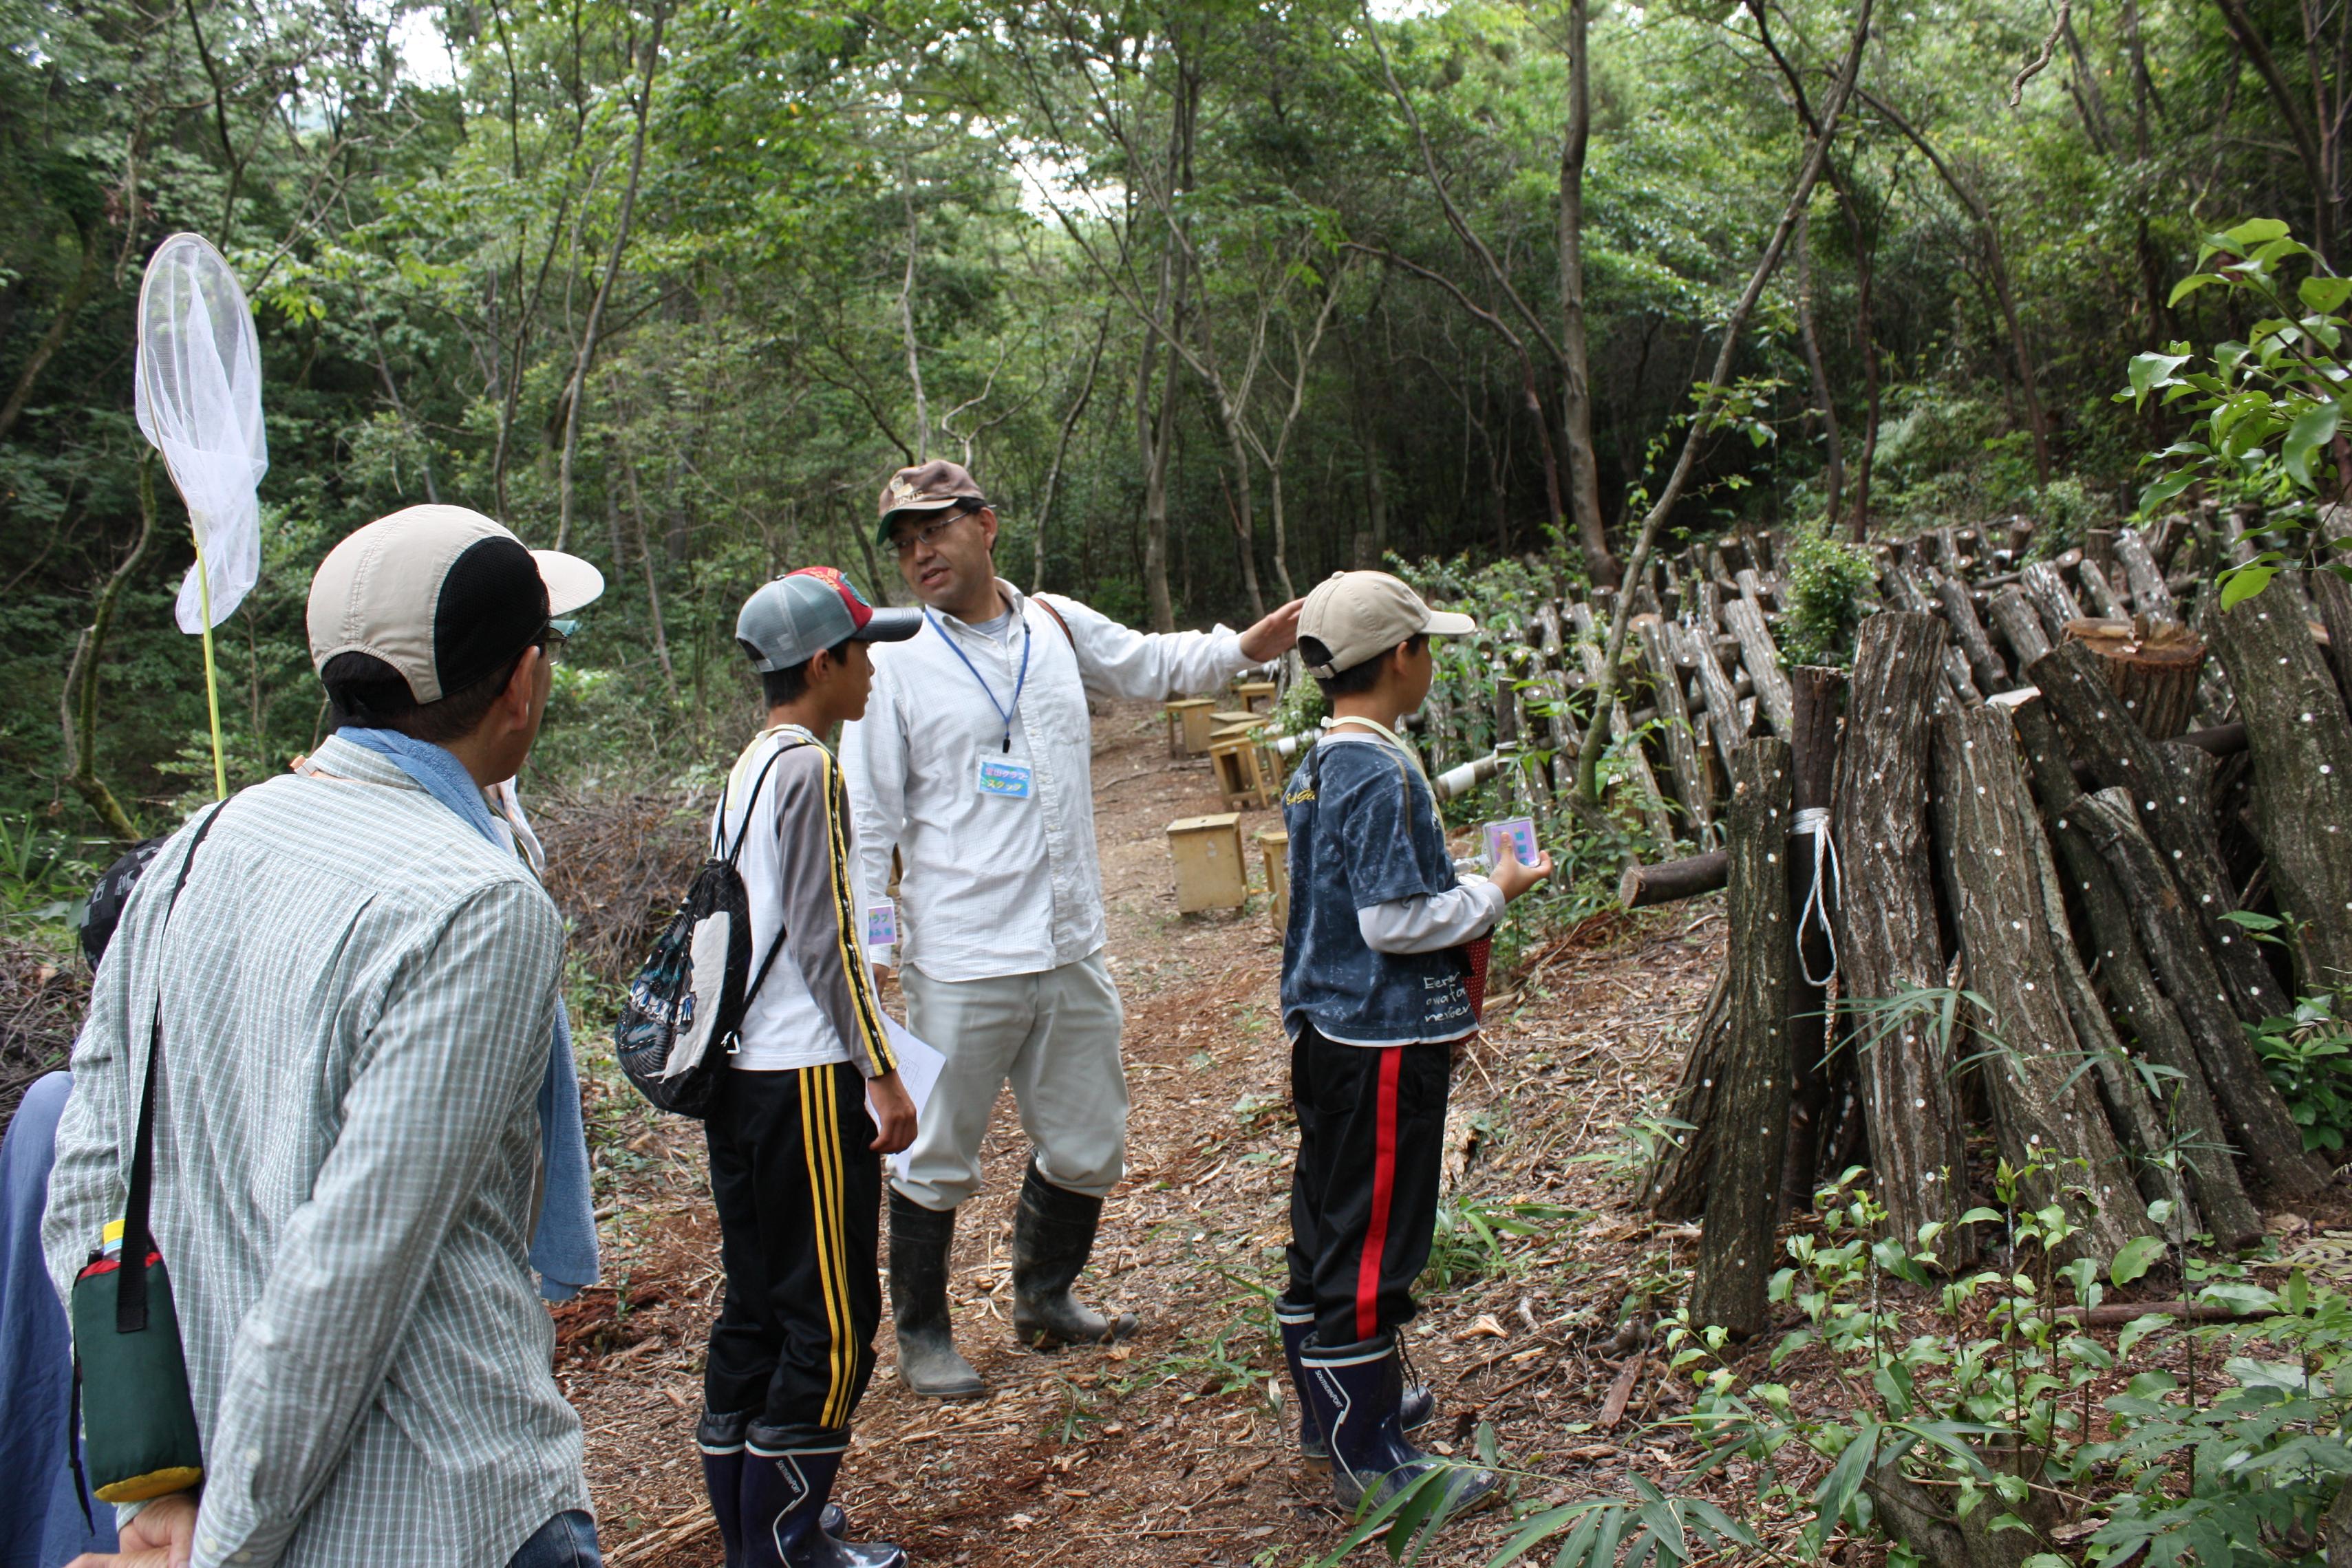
(1822, 591)
(2004, 1434)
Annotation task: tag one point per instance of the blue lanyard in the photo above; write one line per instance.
(1002, 711)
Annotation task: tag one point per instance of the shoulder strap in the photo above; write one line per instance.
(1042, 603)
(131, 1276)
(729, 855)
(759, 977)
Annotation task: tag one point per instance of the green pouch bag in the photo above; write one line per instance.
(138, 1422)
(130, 1380)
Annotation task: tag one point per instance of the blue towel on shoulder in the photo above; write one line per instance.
(563, 1248)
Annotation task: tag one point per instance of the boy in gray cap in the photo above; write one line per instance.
(795, 1155)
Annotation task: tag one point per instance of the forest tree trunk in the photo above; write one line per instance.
(1576, 385)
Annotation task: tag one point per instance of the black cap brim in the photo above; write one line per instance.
(888, 626)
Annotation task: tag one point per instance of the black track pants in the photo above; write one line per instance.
(799, 1190)
(1363, 1196)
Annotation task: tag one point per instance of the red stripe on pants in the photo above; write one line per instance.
(1376, 1240)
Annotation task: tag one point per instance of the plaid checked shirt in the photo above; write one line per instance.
(357, 994)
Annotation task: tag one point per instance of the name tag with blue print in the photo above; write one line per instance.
(1012, 781)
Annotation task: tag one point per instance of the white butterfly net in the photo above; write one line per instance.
(199, 400)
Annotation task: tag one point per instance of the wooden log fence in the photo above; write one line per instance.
(2022, 801)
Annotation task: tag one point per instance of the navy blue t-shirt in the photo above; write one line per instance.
(1364, 830)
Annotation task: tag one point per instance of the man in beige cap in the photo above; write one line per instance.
(972, 762)
(359, 1076)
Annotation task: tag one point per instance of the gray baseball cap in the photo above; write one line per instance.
(799, 614)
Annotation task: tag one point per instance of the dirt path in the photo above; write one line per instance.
(1177, 1447)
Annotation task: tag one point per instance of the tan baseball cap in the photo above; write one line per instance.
(930, 487)
(442, 594)
(1359, 615)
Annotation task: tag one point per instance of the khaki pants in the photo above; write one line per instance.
(1055, 1037)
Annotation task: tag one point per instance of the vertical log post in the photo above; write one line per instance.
(2151, 664)
(1991, 674)
(2045, 1107)
(1676, 1187)
(2331, 596)
(1814, 778)
(1743, 1208)
(2020, 624)
(1692, 782)
(2176, 949)
(1886, 929)
(2170, 806)
(2301, 740)
(1762, 657)
(2191, 1121)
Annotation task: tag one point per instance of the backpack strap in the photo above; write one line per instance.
(750, 806)
(760, 976)
(130, 1275)
(1042, 603)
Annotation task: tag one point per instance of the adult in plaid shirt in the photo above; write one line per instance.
(359, 1006)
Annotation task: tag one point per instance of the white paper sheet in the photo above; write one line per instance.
(919, 1070)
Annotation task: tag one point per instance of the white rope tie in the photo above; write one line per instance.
(1815, 821)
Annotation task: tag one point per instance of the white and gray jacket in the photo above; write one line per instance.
(989, 885)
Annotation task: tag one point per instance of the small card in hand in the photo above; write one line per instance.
(1513, 836)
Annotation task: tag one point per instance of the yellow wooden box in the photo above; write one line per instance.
(1256, 695)
(1209, 869)
(1234, 757)
(1189, 726)
(1273, 847)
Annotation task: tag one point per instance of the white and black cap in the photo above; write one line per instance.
(441, 594)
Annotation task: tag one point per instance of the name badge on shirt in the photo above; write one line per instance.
(1009, 780)
(882, 924)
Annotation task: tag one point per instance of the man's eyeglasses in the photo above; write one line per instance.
(556, 639)
(929, 534)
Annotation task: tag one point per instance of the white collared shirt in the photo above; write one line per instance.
(991, 885)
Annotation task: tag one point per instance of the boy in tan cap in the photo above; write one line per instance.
(1374, 1000)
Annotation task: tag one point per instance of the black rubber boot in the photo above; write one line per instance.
(1297, 1323)
(921, 1242)
(1355, 1390)
(1053, 1235)
(787, 1486)
(720, 1438)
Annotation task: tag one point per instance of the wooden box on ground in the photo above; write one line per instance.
(1273, 846)
(1189, 726)
(1234, 757)
(1209, 869)
(1256, 695)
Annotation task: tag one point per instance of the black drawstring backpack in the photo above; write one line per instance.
(690, 995)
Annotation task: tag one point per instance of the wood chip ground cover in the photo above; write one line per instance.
(1180, 1446)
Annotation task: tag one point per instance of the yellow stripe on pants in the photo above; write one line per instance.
(825, 1190)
